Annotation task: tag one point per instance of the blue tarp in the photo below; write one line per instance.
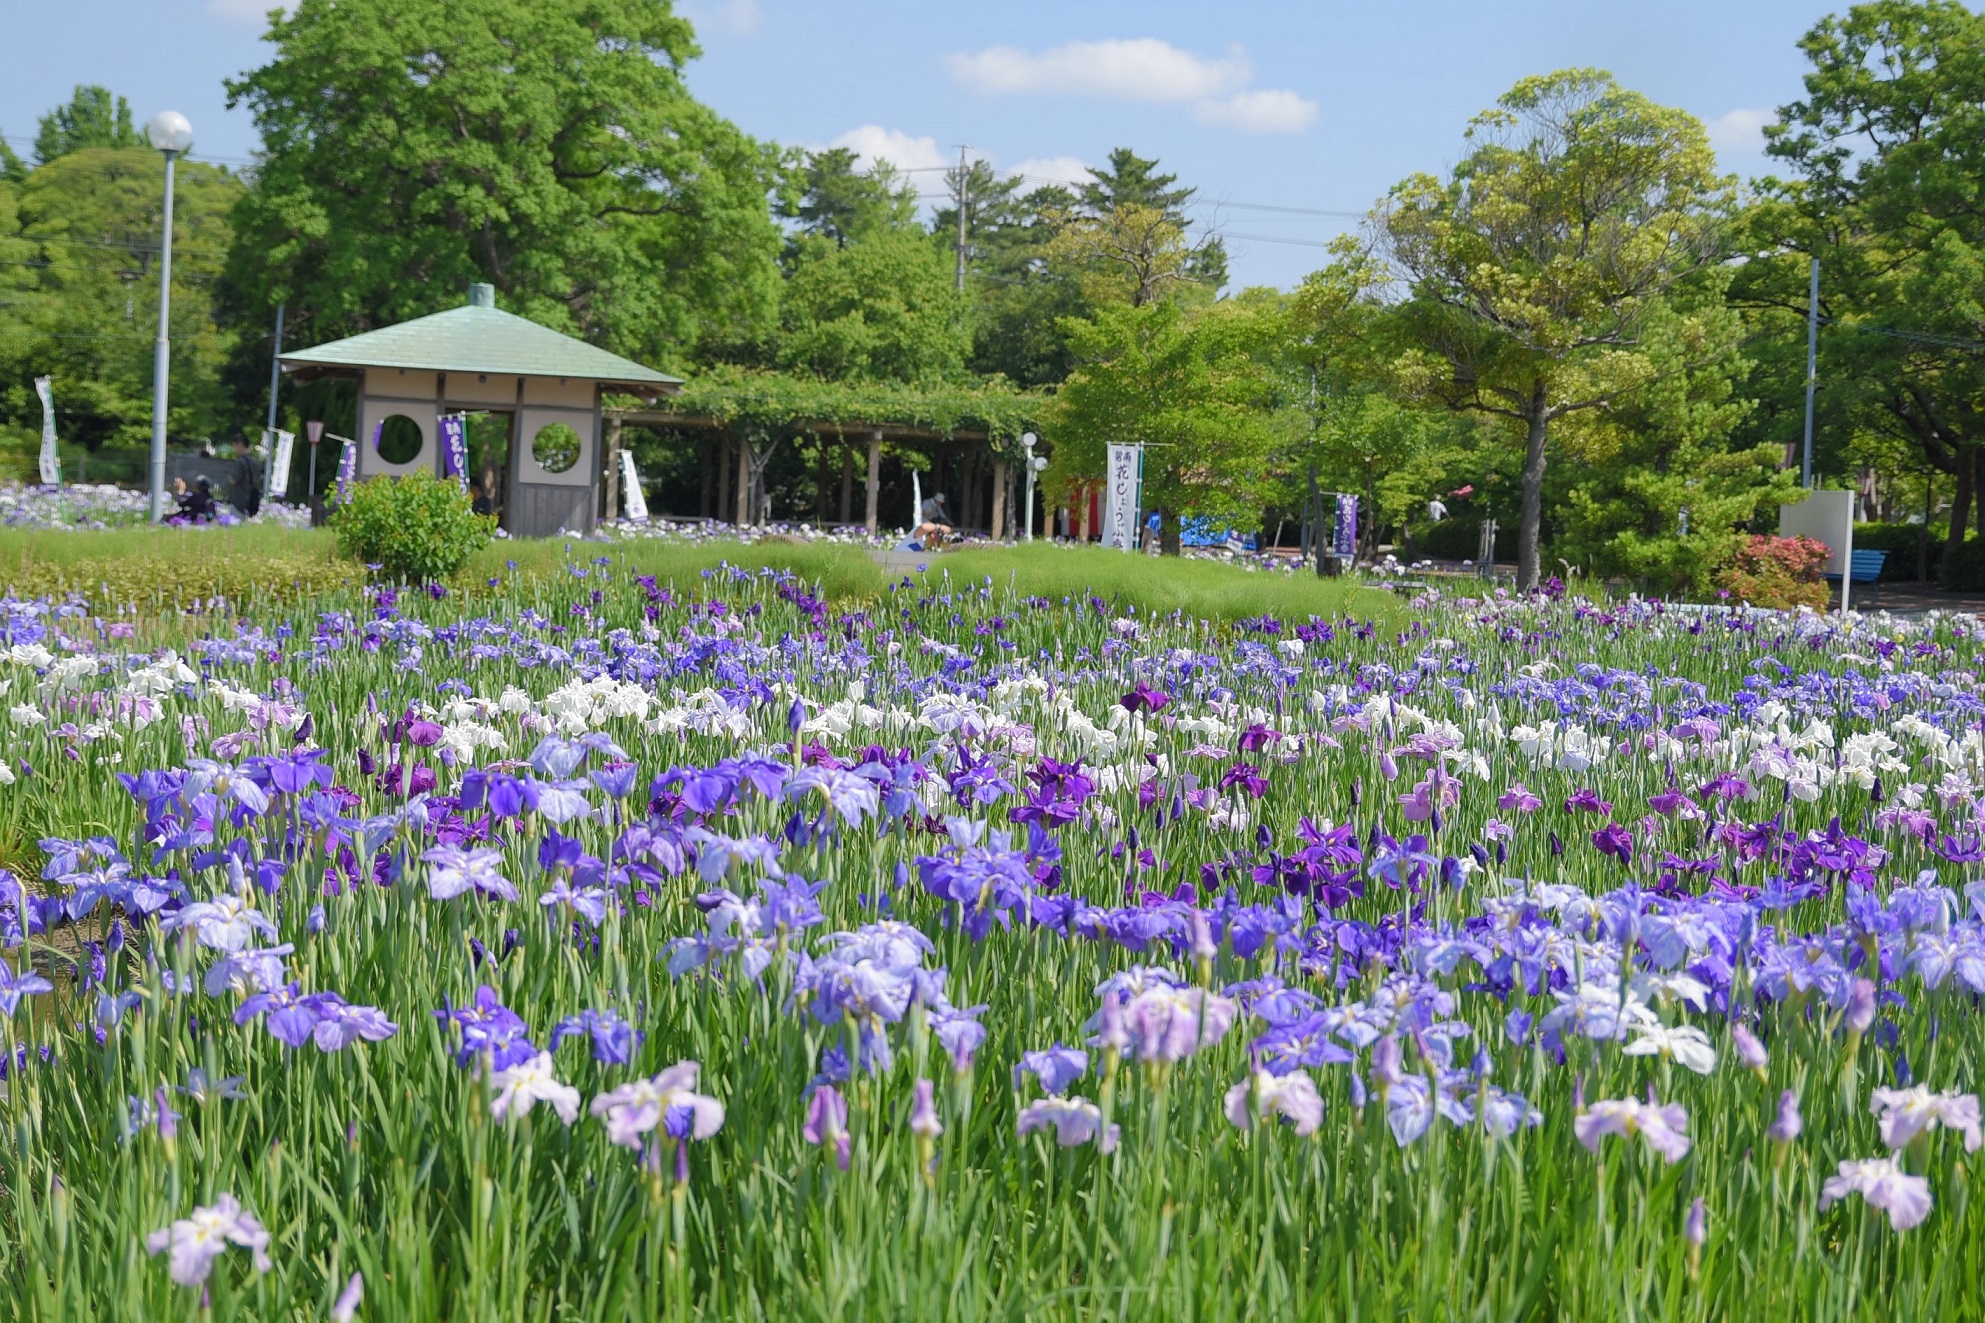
(1198, 531)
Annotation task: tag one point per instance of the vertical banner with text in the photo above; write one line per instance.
(1344, 534)
(455, 448)
(279, 468)
(1120, 483)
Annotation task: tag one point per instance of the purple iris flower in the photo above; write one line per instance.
(1615, 841)
(1056, 1068)
(489, 1028)
(1143, 698)
(613, 1038)
(340, 1024)
(14, 986)
(1518, 799)
(1588, 801)
(827, 1122)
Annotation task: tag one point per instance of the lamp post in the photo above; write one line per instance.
(1034, 466)
(171, 134)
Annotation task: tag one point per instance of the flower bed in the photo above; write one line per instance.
(630, 951)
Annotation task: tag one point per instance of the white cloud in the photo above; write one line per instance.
(1740, 131)
(1143, 69)
(1051, 170)
(251, 12)
(738, 16)
(1269, 110)
(871, 143)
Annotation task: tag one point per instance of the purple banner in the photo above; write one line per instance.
(348, 464)
(1344, 536)
(455, 448)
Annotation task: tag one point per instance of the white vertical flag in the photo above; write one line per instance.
(279, 471)
(51, 466)
(630, 488)
(1120, 499)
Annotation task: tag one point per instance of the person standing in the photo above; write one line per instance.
(244, 487)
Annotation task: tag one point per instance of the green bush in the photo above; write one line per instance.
(417, 528)
(1900, 542)
(1964, 569)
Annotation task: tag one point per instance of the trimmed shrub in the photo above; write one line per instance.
(1900, 542)
(1964, 571)
(1780, 572)
(416, 529)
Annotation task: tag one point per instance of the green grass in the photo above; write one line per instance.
(1203, 588)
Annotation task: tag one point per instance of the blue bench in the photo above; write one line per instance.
(1863, 567)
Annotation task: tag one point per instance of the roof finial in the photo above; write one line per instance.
(482, 296)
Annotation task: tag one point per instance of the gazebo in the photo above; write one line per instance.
(480, 359)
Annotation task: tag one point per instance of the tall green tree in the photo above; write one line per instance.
(1016, 296)
(881, 310)
(79, 279)
(549, 147)
(846, 205)
(1199, 388)
(1531, 271)
(93, 118)
(1133, 181)
(1888, 150)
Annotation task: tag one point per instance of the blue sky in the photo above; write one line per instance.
(1310, 107)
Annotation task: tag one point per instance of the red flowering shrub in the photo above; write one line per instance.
(1781, 572)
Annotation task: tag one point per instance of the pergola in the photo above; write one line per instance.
(727, 467)
(480, 359)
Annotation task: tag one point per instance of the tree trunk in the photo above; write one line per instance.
(874, 478)
(1966, 465)
(1529, 537)
(999, 500)
(1168, 533)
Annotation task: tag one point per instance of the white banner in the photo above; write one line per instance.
(279, 472)
(51, 467)
(631, 498)
(1120, 483)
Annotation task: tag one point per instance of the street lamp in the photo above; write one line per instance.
(1035, 464)
(171, 134)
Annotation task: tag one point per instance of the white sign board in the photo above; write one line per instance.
(1120, 499)
(630, 486)
(1826, 517)
(279, 471)
(51, 467)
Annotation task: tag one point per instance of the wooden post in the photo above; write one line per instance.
(744, 512)
(847, 482)
(1082, 514)
(874, 477)
(703, 448)
(613, 467)
(999, 500)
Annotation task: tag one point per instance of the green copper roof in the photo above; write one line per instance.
(478, 338)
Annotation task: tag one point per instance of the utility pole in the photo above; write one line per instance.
(1812, 373)
(961, 194)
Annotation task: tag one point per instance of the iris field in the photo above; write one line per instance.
(606, 948)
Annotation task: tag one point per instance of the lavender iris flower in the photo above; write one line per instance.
(198, 1240)
(489, 1028)
(14, 986)
(1786, 1127)
(345, 1308)
(1906, 1113)
(454, 871)
(638, 1107)
(1075, 1121)
(1663, 1127)
(1885, 1185)
(1291, 1097)
(517, 1089)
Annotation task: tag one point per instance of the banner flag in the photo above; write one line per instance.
(51, 466)
(279, 472)
(630, 486)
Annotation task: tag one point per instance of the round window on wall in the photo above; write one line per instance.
(399, 440)
(555, 447)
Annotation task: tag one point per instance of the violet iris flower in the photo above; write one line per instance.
(14, 986)
(1906, 1113)
(613, 1038)
(827, 1122)
(1662, 1126)
(1055, 1068)
(489, 1028)
(454, 871)
(1292, 1097)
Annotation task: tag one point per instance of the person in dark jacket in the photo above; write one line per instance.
(244, 485)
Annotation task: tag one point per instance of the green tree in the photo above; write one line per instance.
(1016, 296)
(1199, 389)
(881, 310)
(93, 118)
(79, 281)
(547, 146)
(845, 205)
(1531, 272)
(1888, 147)
(1133, 181)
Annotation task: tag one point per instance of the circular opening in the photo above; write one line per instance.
(555, 447)
(399, 440)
